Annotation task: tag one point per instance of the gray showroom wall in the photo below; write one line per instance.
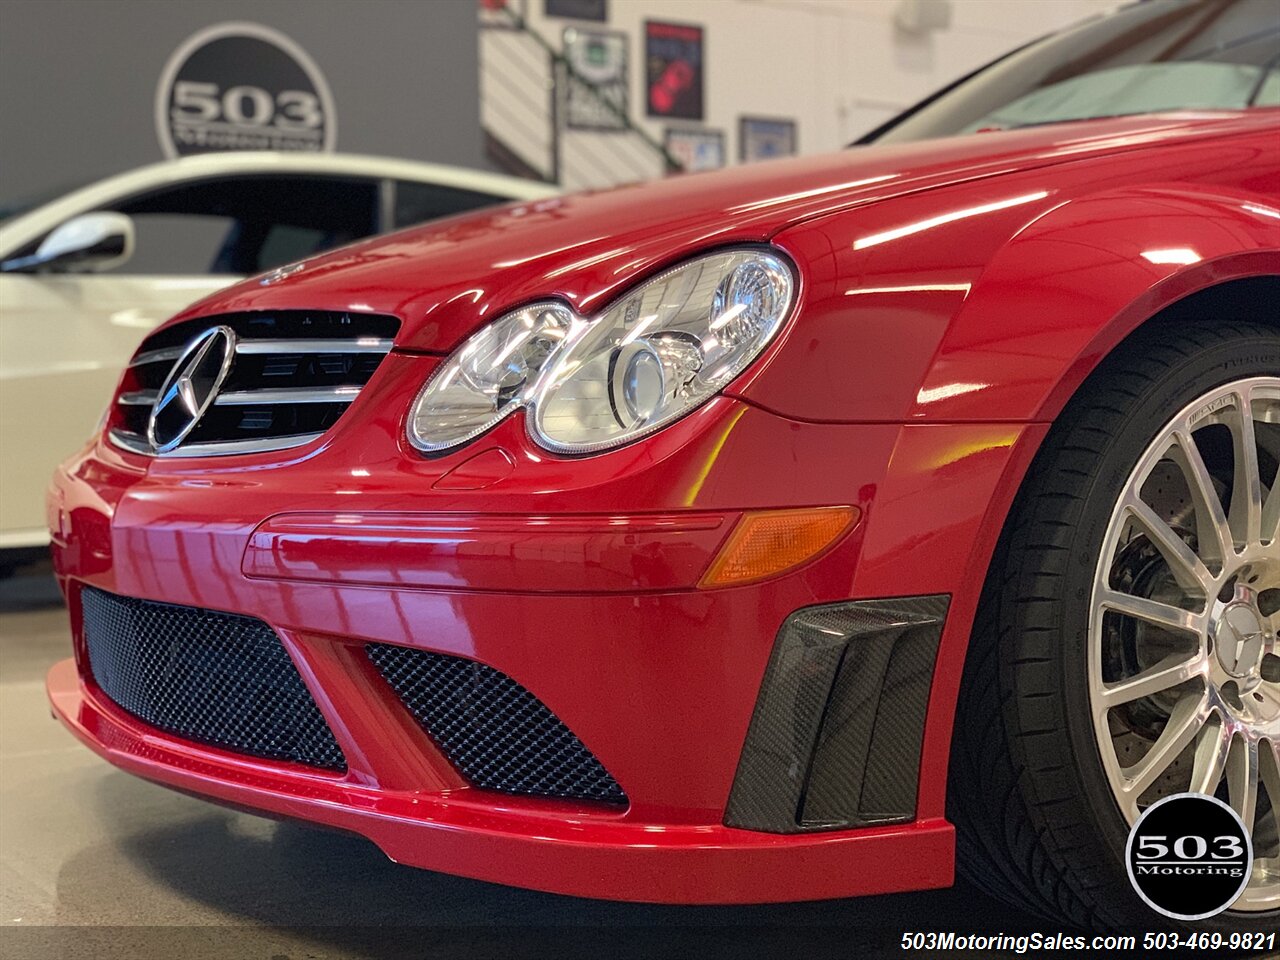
(78, 78)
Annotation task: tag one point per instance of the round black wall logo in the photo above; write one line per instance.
(243, 86)
(1189, 856)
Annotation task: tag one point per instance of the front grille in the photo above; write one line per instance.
(294, 374)
(216, 678)
(494, 731)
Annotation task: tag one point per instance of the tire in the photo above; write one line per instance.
(1038, 821)
(17, 558)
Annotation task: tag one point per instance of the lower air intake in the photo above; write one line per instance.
(494, 731)
(216, 678)
(838, 728)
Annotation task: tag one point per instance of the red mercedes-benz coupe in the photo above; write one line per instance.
(795, 531)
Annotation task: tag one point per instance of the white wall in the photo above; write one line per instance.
(838, 67)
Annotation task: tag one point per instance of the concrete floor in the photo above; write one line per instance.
(94, 863)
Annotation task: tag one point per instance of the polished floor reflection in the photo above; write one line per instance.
(95, 863)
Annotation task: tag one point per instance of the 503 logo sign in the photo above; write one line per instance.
(1191, 852)
(1189, 856)
(243, 86)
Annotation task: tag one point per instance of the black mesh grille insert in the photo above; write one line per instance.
(216, 678)
(498, 734)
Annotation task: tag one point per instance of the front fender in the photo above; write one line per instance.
(974, 339)
(997, 314)
(1067, 289)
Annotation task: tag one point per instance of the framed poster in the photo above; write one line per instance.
(598, 57)
(597, 10)
(695, 149)
(762, 138)
(673, 54)
(502, 14)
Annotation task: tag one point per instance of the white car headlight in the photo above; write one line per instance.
(591, 384)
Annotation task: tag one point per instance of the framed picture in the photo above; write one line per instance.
(597, 10)
(596, 88)
(762, 138)
(673, 54)
(497, 13)
(695, 149)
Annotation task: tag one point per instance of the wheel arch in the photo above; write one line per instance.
(1066, 288)
(1239, 277)
(1243, 286)
(1034, 631)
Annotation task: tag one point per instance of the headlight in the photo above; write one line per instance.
(488, 377)
(591, 384)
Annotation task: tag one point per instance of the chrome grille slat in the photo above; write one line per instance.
(167, 355)
(291, 376)
(344, 394)
(138, 444)
(220, 448)
(360, 345)
(139, 398)
(128, 440)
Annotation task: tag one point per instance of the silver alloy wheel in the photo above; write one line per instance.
(1184, 664)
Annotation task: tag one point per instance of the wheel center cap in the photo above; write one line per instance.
(1239, 638)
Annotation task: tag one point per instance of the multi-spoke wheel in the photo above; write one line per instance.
(1184, 670)
(1126, 643)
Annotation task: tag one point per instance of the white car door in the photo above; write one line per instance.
(64, 339)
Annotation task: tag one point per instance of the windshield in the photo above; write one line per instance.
(1153, 56)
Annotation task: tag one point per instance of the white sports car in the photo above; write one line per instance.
(84, 276)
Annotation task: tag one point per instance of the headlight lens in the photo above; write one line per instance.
(659, 352)
(488, 377)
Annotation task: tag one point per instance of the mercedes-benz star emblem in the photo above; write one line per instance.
(1242, 650)
(191, 388)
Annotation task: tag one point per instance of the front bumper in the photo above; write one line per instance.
(546, 846)
(600, 617)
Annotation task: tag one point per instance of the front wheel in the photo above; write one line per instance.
(1126, 644)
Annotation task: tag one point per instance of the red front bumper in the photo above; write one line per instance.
(545, 846)
(540, 576)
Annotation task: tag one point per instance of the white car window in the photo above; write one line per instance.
(175, 244)
(418, 202)
(233, 226)
(270, 220)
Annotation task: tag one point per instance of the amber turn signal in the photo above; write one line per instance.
(768, 542)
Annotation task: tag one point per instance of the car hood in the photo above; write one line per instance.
(446, 279)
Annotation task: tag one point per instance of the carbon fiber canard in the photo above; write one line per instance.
(836, 735)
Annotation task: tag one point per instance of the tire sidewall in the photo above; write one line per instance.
(1232, 360)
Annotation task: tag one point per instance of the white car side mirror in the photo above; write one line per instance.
(90, 242)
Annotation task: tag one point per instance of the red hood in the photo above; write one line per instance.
(445, 279)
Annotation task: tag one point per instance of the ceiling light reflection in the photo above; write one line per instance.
(913, 288)
(962, 214)
(805, 194)
(947, 391)
(1175, 255)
